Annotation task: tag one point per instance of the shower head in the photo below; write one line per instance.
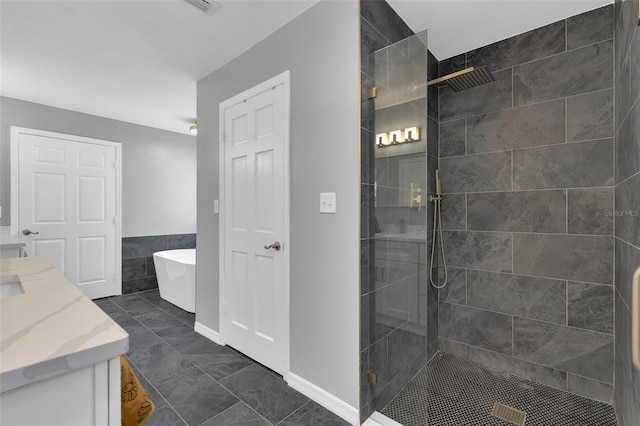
(466, 79)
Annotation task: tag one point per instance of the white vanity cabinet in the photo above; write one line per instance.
(59, 352)
(84, 396)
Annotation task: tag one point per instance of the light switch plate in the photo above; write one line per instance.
(328, 202)
(216, 207)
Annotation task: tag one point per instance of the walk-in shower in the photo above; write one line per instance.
(486, 294)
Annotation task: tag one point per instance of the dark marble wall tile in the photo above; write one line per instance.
(590, 211)
(590, 116)
(627, 150)
(590, 306)
(590, 27)
(181, 241)
(454, 211)
(534, 125)
(582, 352)
(385, 19)
(628, 210)
(151, 267)
(138, 247)
(476, 327)
(590, 388)
(456, 289)
(528, 297)
(499, 362)
(574, 165)
(139, 284)
(433, 137)
(405, 345)
(490, 97)
(578, 71)
(452, 347)
(473, 173)
(627, 260)
(579, 258)
(534, 44)
(528, 211)
(453, 64)
(371, 40)
(490, 251)
(134, 268)
(627, 400)
(452, 138)
(367, 146)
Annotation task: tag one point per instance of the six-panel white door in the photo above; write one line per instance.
(67, 196)
(254, 294)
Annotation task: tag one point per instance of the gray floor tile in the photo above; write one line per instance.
(161, 364)
(238, 415)
(152, 393)
(265, 393)
(133, 304)
(197, 397)
(157, 320)
(313, 414)
(164, 416)
(140, 337)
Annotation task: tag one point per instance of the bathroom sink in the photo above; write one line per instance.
(10, 285)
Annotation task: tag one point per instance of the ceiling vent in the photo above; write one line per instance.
(207, 6)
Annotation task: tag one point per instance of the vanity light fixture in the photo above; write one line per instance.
(411, 134)
(395, 137)
(382, 139)
(193, 129)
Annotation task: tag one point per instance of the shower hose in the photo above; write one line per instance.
(437, 220)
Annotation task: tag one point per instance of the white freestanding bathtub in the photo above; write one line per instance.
(176, 273)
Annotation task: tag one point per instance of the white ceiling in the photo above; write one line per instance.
(457, 26)
(139, 60)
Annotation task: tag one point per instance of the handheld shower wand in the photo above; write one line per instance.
(437, 223)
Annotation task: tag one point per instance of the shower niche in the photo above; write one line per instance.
(399, 309)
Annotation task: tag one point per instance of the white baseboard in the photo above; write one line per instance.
(209, 333)
(324, 398)
(379, 419)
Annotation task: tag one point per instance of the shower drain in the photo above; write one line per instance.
(510, 414)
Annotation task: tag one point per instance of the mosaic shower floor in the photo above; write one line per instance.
(452, 391)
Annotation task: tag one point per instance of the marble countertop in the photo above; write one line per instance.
(52, 327)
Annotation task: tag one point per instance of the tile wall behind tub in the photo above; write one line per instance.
(138, 270)
(527, 166)
(627, 200)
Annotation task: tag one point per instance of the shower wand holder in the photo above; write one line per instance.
(433, 199)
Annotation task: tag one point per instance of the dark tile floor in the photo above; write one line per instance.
(193, 381)
(452, 391)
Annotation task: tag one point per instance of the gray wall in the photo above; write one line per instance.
(527, 169)
(627, 200)
(324, 157)
(158, 166)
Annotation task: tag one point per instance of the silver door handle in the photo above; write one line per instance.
(276, 245)
(29, 231)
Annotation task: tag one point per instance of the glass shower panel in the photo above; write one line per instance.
(399, 298)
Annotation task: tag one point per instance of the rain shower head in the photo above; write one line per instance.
(466, 79)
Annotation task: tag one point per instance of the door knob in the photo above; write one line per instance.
(275, 245)
(29, 231)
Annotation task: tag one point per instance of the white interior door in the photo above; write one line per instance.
(254, 198)
(66, 192)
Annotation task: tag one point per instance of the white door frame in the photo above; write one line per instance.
(283, 79)
(15, 181)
